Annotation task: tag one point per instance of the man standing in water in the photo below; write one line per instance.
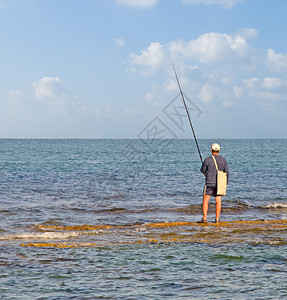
(210, 189)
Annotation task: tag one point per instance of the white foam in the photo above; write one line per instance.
(42, 236)
(276, 205)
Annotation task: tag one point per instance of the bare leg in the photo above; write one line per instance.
(218, 207)
(205, 206)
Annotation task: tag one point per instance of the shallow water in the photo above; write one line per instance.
(155, 271)
(141, 201)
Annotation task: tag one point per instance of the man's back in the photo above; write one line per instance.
(209, 170)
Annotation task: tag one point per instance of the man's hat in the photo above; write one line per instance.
(215, 147)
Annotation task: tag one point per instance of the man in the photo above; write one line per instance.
(210, 189)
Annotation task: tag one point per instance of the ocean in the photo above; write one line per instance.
(117, 219)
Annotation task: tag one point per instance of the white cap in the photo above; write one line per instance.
(215, 147)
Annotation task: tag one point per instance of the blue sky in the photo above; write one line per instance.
(102, 68)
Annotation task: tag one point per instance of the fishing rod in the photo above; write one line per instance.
(182, 96)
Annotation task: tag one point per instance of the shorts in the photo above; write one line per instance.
(210, 190)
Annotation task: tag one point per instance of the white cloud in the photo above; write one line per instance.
(138, 3)
(14, 97)
(227, 80)
(272, 82)
(269, 83)
(14, 93)
(87, 111)
(52, 90)
(120, 42)
(268, 96)
(211, 49)
(251, 82)
(216, 48)
(206, 93)
(170, 85)
(150, 59)
(14, 111)
(237, 92)
(268, 93)
(218, 70)
(151, 3)
(48, 88)
(276, 62)
(248, 33)
(222, 3)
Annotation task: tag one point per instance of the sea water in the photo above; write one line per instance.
(119, 190)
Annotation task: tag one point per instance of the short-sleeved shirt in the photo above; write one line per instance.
(209, 169)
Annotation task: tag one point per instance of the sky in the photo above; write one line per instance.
(103, 68)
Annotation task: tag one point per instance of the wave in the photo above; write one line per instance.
(44, 235)
(276, 205)
(230, 206)
(227, 206)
